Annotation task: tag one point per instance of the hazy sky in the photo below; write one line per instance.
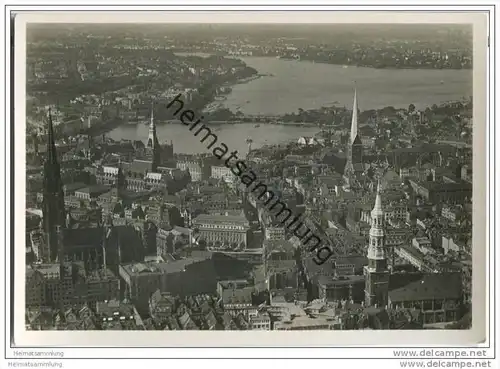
(390, 31)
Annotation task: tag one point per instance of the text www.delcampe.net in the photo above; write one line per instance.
(447, 358)
(463, 363)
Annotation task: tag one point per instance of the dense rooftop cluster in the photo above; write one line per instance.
(131, 235)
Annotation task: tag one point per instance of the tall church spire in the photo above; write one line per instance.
(376, 272)
(376, 247)
(152, 129)
(377, 209)
(51, 145)
(108, 230)
(53, 197)
(354, 147)
(354, 122)
(153, 146)
(152, 122)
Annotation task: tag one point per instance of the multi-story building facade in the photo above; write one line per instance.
(341, 288)
(275, 233)
(107, 175)
(197, 169)
(222, 172)
(113, 314)
(91, 193)
(161, 306)
(47, 286)
(180, 277)
(452, 213)
(236, 297)
(260, 322)
(439, 192)
(164, 242)
(220, 231)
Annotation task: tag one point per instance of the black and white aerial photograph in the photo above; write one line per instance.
(248, 177)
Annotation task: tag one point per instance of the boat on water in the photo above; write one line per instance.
(442, 82)
(257, 126)
(345, 66)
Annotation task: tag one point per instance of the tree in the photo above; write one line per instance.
(411, 108)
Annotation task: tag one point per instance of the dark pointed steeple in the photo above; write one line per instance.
(53, 197)
(153, 146)
(354, 147)
(51, 144)
(108, 230)
(354, 122)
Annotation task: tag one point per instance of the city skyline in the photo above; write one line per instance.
(153, 233)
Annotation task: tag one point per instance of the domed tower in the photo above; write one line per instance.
(377, 272)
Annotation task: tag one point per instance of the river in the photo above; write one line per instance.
(308, 85)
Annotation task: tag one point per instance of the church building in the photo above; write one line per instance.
(438, 296)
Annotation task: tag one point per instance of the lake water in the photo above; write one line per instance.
(234, 136)
(307, 85)
(310, 85)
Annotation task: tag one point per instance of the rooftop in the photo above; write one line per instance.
(329, 281)
(99, 275)
(429, 286)
(236, 284)
(74, 186)
(214, 218)
(445, 186)
(114, 308)
(162, 267)
(94, 190)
